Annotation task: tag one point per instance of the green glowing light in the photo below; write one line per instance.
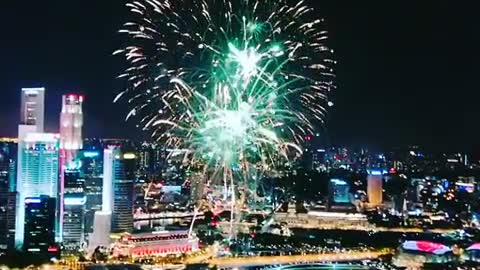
(253, 27)
(246, 59)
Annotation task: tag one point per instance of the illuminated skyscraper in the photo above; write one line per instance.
(375, 188)
(71, 123)
(123, 185)
(92, 169)
(8, 205)
(74, 207)
(37, 174)
(73, 220)
(108, 177)
(8, 197)
(118, 183)
(102, 220)
(4, 172)
(8, 165)
(40, 213)
(117, 196)
(339, 191)
(32, 108)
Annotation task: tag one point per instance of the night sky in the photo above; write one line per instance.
(407, 71)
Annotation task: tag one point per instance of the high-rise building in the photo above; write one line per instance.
(102, 221)
(117, 196)
(32, 108)
(8, 204)
(71, 123)
(375, 188)
(4, 172)
(92, 169)
(108, 177)
(101, 230)
(73, 220)
(39, 226)
(74, 181)
(37, 174)
(118, 185)
(339, 191)
(12, 175)
(123, 186)
(8, 152)
(74, 207)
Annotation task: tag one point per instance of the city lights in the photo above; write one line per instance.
(228, 158)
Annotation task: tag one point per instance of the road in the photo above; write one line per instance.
(232, 262)
(323, 267)
(229, 262)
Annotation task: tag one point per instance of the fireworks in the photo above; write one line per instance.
(236, 82)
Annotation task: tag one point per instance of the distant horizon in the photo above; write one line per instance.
(356, 146)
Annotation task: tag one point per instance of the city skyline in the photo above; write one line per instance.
(393, 81)
(260, 133)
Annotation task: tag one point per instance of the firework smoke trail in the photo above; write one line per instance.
(236, 82)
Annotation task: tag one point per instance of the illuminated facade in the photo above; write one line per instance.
(118, 185)
(92, 168)
(4, 172)
(73, 220)
(8, 205)
(101, 230)
(74, 201)
(375, 188)
(32, 107)
(339, 191)
(71, 123)
(123, 186)
(414, 254)
(159, 243)
(108, 178)
(325, 220)
(40, 213)
(38, 173)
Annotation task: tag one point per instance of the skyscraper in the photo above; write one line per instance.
(39, 224)
(73, 221)
(108, 177)
(375, 188)
(4, 172)
(117, 196)
(8, 196)
(74, 207)
(102, 220)
(8, 204)
(118, 184)
(123, 186)
(8, 174)
(31, 121)
(92, 169)
(71, 123)
(32, 108)
(37, 174)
